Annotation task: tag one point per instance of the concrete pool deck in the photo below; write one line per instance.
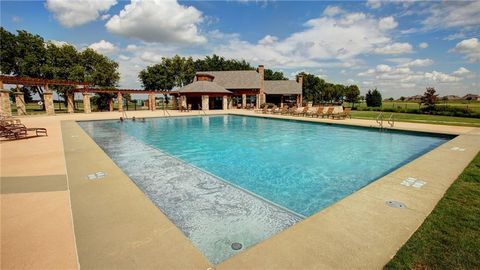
(114, 225)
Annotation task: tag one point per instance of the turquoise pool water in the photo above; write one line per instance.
(303, 167)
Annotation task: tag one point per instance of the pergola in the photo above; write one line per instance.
(80, 87)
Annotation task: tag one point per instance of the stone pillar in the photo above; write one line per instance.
(230, 101)
(257, 102)
(20, 102)
(151, 102)
(281, 102)
(244, 101)
(262, 99)
(183, 101)
(120, 102)
(48, 99)
(5, 108)
(87, 107)
(174, 102)
(110, 104)
(205, 101)
(70, 101)
(225, 103)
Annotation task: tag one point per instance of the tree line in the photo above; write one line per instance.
(26, 54)
(318, 91)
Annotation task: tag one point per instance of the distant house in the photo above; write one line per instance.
(414, 98)
(212, 90)
(451, 97)
(471, 97)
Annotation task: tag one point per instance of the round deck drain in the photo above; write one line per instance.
(236, 246)
(396, 204)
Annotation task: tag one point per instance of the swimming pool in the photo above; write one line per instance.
(226, 179)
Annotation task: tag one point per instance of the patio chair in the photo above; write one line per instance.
(311, 111)
(301, 111)
(284, 110)
(329, 112)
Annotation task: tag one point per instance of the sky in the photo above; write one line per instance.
(399, 47)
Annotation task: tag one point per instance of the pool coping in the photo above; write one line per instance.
(300, 245)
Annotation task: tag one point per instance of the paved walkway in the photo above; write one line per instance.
(357, 232)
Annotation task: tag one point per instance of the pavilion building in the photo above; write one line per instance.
(213, 90)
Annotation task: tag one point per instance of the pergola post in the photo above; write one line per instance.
(110, 104)
(87, 107)
(244, 101)
(20, 102)
(48, 98)
(120, 102)
(205, 102)
(70, 100)
(152, 105)
(225, 103)
(5, 108)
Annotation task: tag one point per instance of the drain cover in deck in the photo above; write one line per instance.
(396, 204)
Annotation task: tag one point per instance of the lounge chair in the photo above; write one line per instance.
(265, 110)
(14, 128)
(318, 112)
(301, 111)
(346, 113)
(284, 110)
(329, 112)
(311, 111)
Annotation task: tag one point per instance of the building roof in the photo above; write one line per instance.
(471, 96)
(203, 87)
(283, 87)
(237, 79)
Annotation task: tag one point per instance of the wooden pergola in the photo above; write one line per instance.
(80, 87)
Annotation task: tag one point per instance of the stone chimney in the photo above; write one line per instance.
(300, 79)
(261, 96)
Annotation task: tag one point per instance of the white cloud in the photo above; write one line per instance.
(103, 47)
(16, 19)
(268, 40)
(448, 14)
(423, 45)
(163, 21)
(461, 71)
(455, 36)
(440, 77)
(383, 68)
(394, 48)
(374, 4)
(387, 23)
(132, 47)
(151, 57)
(333, 41)
(71, 13)
(418, 63)
(332, 11)
(470, 48)
(58, 43)
(105, 17)
(123, 57)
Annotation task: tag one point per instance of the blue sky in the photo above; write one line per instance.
(400, 47)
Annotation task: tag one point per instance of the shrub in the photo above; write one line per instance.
(373, 98)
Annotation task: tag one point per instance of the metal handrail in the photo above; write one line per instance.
(379, 119)
(391, 120)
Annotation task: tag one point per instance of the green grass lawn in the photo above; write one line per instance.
(450, 236)
(473, 105)
(421, 118)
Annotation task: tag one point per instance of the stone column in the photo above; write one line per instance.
(120, 102)
(257, 102)
(281, 101)
(152, 103)
(20, 102)
(244, 101)
(87, 107)
(5, 108)
(230, 101)
(110, 104)
(174, 102)
(225, 103)
(183, 101)
(205, 101)
(70, 101)
(48, 98)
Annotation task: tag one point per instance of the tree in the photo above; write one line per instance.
(218, 63)
(429, 99)
(274, 75)
(352, 94)
(402, 98)
(373, 98)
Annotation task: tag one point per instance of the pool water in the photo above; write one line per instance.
(299, 167)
